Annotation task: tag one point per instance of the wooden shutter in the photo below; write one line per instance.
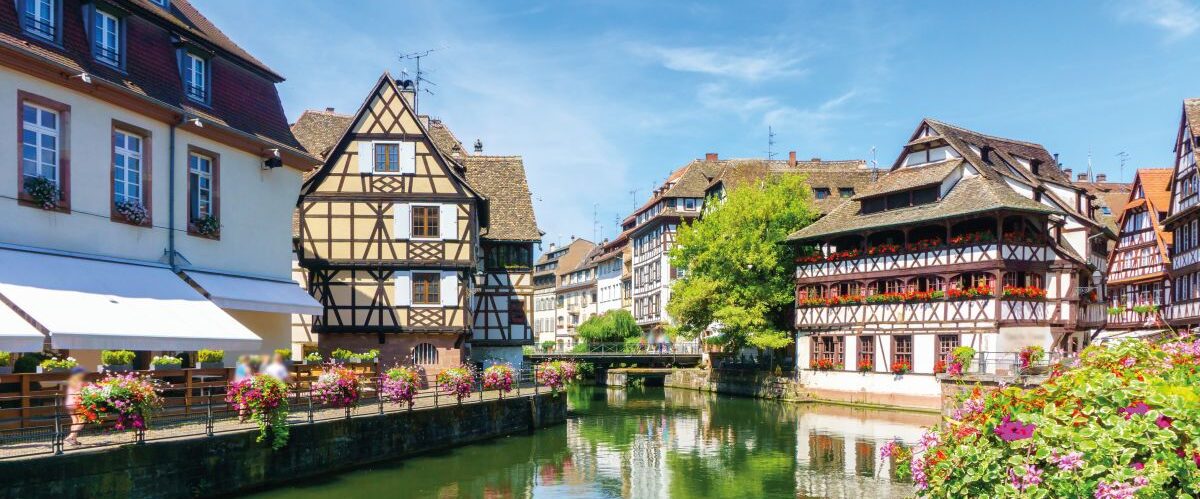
(401, 221)
(449, 289)
(408, 157)
(448, 221)
(403, 288)
(366, 156)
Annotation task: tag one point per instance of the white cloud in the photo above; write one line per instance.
(722, 61)
(1176, 18)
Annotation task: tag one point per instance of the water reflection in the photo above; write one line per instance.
(651, 442)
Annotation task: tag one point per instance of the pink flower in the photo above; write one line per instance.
(889, 449)
(1128, 362)
(1164, 422)
(1138, 408)
(1069, 462)
(1011, 431)
(1137, 466)
(1030, 477)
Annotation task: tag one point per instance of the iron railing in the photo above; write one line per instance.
(610, 349)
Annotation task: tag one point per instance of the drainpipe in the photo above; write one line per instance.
(171, 199)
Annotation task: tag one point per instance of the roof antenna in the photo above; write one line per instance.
(420, 76)
(1090, 177)
(1124, 157)
(874, 166)
(770, 143)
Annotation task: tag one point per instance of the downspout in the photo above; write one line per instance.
(171, 199)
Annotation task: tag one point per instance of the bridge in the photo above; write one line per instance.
(609, 354)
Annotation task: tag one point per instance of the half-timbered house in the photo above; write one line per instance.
(1138, 267)
(969, 240)
(1184, 222)
(390, 234)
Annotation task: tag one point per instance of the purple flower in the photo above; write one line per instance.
(1137, 466)
(889, 449)
(1138, 408)
(1011, 431)
(1117, 490)
(1164, 422)
(1128, 362)
(1069, 462)
(1140, 481)
(1030, 477)
(928, 440)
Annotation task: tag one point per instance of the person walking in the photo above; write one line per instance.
(73, 399)
(276, 369)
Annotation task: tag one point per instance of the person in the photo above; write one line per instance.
(243, 368)
(276, 369)
(74, 387)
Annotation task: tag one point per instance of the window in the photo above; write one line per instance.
(106, 38)
(830, 348)
(425, 354)
(387, 158)
(846, 192)
(39, 143)
(903, 348)
(946, 343)
(821, 192)
(866, 350)
(40, 19)
(127, 167)
(425, 221)
(1022, 279)
(426, 288)
(195, 77)
(200, 187)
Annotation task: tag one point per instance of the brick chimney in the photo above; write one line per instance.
(1101, 177)
(329, 109)
(791, 158)
(710, 157)
(1067, 171)
(815, 159)
(1082, 177)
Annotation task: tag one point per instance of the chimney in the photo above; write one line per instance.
(791, 158)
(552, 248)
(409, 92)
(985, 153)
(1056, 162)
(329, 109)
(815, 159)
(479, 149)
(710, 157)
(1083, 177)
(1067, 171)
(1101, 177)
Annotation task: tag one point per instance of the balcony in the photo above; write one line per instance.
(933, 315)
(947, 255)
(1122, 317)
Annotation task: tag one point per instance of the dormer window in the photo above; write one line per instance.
(162, 3)
(40, 18)
(106, 38)
(821, 192)
(195, 77)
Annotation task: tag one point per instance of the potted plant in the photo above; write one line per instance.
(285, 354)
(210, 359)
(6, 365)
(313, 358)
(57, 365)
(939, 366)
(865, 365)
(207, 226)
(1031, 355)
(116, 361)
(399, 385)
(337, 387)
(960, 360)
(1145, 308)
(556, 373)
(263, 399)
(1116, 310)
(165, 363)
(343, 356)
(369, 357)
(498, 377)
(129, 397)
(457, 381)
(132, 211)
(900, 368)
(42, 191)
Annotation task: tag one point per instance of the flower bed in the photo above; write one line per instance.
(1120, 422)
(1023, 293)
(337, 387)
(263, 399)
(400, 385)
(457, 381)
(127, 397)
(499, 377)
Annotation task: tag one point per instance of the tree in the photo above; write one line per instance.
(611, 326)
(739, 265)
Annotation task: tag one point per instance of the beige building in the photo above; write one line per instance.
(146, 204)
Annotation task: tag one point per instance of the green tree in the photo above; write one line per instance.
(738, 264)
(611, 326)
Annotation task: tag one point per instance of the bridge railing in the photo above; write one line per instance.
(688, 348)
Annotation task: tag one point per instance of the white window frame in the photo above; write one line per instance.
(375, 158)
(200, 189)
(196, 66)
(412, 289)
(41, 132)
(121, 173)
(412, 234)
(106, 29)
(44, 12)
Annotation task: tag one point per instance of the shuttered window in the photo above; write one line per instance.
(425, 221)
(426, 288)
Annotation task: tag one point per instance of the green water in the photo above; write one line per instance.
(654, 442)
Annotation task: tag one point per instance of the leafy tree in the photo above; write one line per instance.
(739, 266)
(611, 326)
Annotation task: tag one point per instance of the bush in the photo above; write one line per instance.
(581, 347)
(547, 345)
(213, 356)
(117, 357)
(28, 362)
(166, 361)
(634, 344)
(5, 358)
(341, 355)
(1120, 419)
(286, 353)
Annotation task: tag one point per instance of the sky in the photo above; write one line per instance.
(604, 99)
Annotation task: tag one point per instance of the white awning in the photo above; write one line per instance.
(16, 334)
(258, 295)
(1120, 334)
(95, 305)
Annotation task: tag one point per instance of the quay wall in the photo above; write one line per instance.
(233, 462)
(836, 388)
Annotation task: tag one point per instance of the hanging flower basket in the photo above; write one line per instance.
(262, 399)
(555, 374)
(457, 381)
(400, 385)
(127, 397)
(43, 191)
(499, 377)
(337, 387)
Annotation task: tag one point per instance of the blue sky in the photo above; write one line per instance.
(604, 98)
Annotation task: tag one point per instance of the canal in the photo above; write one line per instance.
(654, 442)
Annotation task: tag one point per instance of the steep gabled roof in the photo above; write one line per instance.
(319, 131)
(1155, 186)
(833, 175)
(502, 180)
(1191, 112)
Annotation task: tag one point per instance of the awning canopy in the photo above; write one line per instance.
(95, 304)
(16, 334)
(258, 295)
(1118, 334)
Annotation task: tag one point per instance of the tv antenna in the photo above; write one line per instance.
(633, 196)
(770, 143)
(1124, 157)
(418, 78)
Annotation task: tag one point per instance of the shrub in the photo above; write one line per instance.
(399, 385)
(263, 399)
(1119, 421)
(129, 397)
(117, 357)
(286, 353)
(166, 361)
(57, 363)
(211, 356)
(5, 358)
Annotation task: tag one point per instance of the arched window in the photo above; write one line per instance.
(425, 354)
(846, 289)
(926, 284)
(972, 279)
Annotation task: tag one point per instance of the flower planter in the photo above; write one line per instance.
(172, 367)
(210, 365)
(51, 370)
(114, 368)
(6, 370)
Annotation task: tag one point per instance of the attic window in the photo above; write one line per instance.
(901, 199)
(821, 192)
(40, 18)
(162, 3)
(846, 192)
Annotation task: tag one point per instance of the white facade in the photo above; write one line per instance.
(610, 291)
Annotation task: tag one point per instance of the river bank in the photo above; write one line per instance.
(766, 386)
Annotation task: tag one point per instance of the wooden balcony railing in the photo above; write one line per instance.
(953, 255)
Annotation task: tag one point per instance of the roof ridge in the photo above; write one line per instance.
(984, 135)
(327, 112)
